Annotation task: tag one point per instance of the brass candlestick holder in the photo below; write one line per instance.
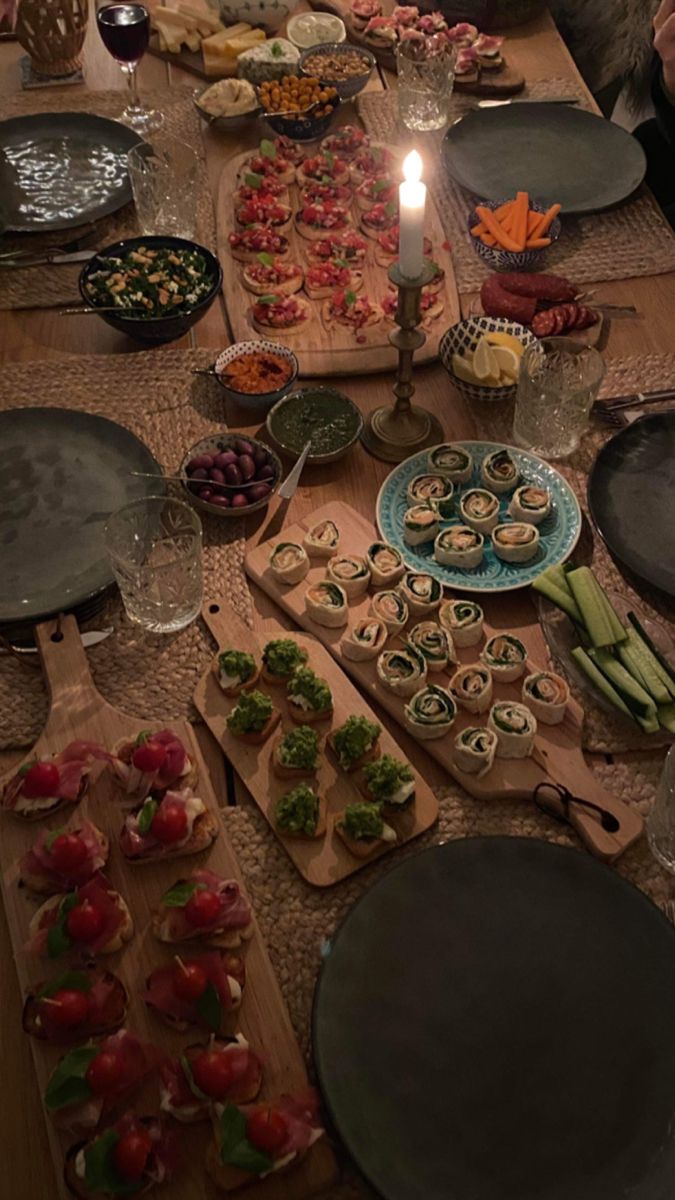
(394, 432)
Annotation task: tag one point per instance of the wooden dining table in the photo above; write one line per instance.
(536, 50)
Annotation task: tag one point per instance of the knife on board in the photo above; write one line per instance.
(39, 260)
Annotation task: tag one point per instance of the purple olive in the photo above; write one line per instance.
(266, 472)
(258, 492)
(216, 475)
(221, 501)
(205, 493)
(223, 460)
(239, 500)
(247, 467)
(243, 447)
(199, 473)
(260, 456)
(201, 460)
(233, 474)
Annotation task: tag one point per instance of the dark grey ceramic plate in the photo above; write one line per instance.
(495, 1019)
(61, 474)
(59, 170)
(558, 153)
(631, 496)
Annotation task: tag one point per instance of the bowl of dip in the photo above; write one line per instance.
(329, 418)
(315, 29)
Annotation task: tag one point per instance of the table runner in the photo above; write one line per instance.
(47, 286)
(632, 239)
(155, 396)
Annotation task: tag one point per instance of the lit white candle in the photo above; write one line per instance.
(412, 195)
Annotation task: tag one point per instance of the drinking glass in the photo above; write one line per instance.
(164, 181)
(557, 384)
(155, 548)
(661, 820)
(426, 73)
(125, 32)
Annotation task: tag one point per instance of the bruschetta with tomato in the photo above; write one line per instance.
(280, 314)
(315, 192)
(261, 185)
(375, 190)
(373, 160)
(224, 1069)
(257, 239)
(64, 858)
(75, 1005)
(378, 218)
(204, 908)
(322, 279)
(387, 248)
(131, 1156)
(271, 274)
(42, 786)
(322, 168)
(313, 221)
(202, 989)
(84, 923)
(288, 149)
(173, 825)
(264, 210)
(348, 245)
(431, 305)
(346, 142)
(271, 163)
(350, 311)
(256, 1141)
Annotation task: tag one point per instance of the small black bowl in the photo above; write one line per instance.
(303, 129)
(154, 330)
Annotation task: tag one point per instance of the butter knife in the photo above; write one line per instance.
(77, 256)
(292, 480)
(91, 637)
(529, 100)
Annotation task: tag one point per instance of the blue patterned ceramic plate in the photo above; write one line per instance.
(558, 534)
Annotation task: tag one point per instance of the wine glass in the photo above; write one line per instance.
(125, 32)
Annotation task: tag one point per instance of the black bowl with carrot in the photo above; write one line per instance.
(513, 235)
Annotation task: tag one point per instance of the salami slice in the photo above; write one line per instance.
(543, 323)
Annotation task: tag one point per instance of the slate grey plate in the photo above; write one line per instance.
(631, 497)
(60, 170)
(558, 153)
(495, 1019)
(61, 474)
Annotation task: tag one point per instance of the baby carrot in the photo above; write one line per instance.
(519, 225)
(493, 226)
(534, 243)
(545, 220)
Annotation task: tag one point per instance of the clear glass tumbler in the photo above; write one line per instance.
(164, 182)
(426, 74)
(661, 820)
(155, 548)
(558, 382)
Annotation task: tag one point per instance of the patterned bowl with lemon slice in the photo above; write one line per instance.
(482, 357)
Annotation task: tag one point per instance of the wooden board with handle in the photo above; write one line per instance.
(78, 711)
(322, 861)
(321, 350)
(557, 755)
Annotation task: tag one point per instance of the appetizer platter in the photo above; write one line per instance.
(330, 780)
(130, 924)
(487, 710)
(192, 36)
(306, 236)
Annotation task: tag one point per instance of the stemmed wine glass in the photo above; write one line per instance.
(125, 31)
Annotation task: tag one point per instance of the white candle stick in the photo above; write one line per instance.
(412, 200)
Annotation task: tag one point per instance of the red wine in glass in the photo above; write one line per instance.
(125, 30)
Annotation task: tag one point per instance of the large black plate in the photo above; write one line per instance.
(558, 153)
(631, 496)
(495, 1019)
(59, 170)
(61, 474)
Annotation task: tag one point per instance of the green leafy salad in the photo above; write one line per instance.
(157, 283)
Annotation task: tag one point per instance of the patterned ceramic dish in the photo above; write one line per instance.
(260, 402)
(465, 336)
(559, 533)
(347, 88)
(511, 260)
(216, 444)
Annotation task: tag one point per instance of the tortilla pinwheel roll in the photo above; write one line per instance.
(532, 504)
(421, 523)
(386, 564)
(421, 592)
(451, 460)
(351, 572)
(498, 472)
(474, 750)
(402, 671)
(517, 542)
(463, 620)
(430, 713)
(289, 562)
(390, 608)
(505, 655)
(431, 490)
(434, 643)
(471, 687)
(365, 639)
(479, 510)
(515, 727)
(547, 696)
(326, 603)
(460, 547)
(322, 540)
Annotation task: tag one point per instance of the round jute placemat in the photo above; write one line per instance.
(631, 239)
(48, 286)
(156, 397)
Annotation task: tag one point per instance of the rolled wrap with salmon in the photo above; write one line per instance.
(479, 509)
(385, 563)
(474, 750)
(517, 542)
(391, 608)
(421, 592)
(351, 572)
(322, 540)
(515, 727)
(434, 643)
(326, 603)
(459, 546)
(498, 472)
(451, 460)
(289, 562)
(430, 713)
(547, 696)
(505, 655)
(463, 620)
(471, 687)
(365, 639)
(531, 504)
(421, 524)
(403, 671)
(432, 490)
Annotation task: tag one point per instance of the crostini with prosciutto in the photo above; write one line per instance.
(93, 1079)
(152, 762)
(64, 858)
(75, 1005)
(42, 786)
(271, 274)
(173, 825)
(83, 923)
(256, 1141)
(204, 908)
(131, 1156)
(222, 1070)
(201, 990)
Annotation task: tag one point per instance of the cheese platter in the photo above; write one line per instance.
(193, 37)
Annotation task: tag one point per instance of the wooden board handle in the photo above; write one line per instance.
(603, 843)
(225, 624)
(64, 662)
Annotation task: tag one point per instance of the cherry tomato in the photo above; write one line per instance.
(189, 981)
(41, 780)
(267, 1130)
(68, 1008)
(68, 852)
(170, 822)
(212, 1072)
(202, 909)
(105, 1072)
(84, 922)
(149, 756)
(131, 1153)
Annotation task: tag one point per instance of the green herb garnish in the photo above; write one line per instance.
(251, 714)
(298, 811)
(146, 816)
(299, 748)
(305, 685)
(362, 822)
(354, 739)
(101, 1174)
(235, 1148)
(67, 1083)
(237, 664)
(282, 656)
(385, 776)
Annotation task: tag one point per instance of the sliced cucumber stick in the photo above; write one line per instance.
(599, 680)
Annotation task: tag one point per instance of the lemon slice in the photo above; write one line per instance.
(485, 365)
(463, 369)
(508, 362)
(498, 338)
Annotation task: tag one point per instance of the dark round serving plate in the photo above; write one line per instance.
(61, 474)
(495, 1019)
(558, 153)
(631, 497)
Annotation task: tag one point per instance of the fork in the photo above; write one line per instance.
(78, 243)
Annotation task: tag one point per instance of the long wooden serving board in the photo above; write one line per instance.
(78, 711)
(557, 754)
(322, 861)
(320, 350)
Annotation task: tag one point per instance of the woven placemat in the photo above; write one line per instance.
(633, 239)
(47, 286)
(156, 397)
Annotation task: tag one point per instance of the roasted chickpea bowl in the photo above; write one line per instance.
(339, 65)
(300, 107)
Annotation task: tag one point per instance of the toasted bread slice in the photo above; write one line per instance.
(230, 1179)
(286, 287)
(283, 772)
(204, 832)
(369, 755)
(361, 849)
(239, 687)
(256, 739)
(117, 1006)
(315, 233)
(77, 1186)
(304, 716)
(324, 293)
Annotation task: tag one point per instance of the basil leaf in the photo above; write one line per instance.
(341, 262)
(51, 837)
(390, 208)
(187, 1070)
(350, 298)
(100, 1172)
(58, 938)
(76, 981)
(143, 737)
(27, 766)
(381, 185)
(235, 1147)
(67, 1084)
(249, 1158)
(266, 259)
(325, 179)
(180, 893)
(146, 816)
(268, 300)
(330, 158)
(253, 180)
(267, 149)
(276, 50)
(209, 1007)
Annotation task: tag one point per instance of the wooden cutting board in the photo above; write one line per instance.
(322, 861)
(78, 711)
(557, 755)
(187, 60)
(322, 351)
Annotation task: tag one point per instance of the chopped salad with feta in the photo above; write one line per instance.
(159, 281)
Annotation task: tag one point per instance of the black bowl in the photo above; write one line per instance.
(303, 129)
(154, 330)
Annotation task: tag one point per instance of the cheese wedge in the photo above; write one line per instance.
(169, 16)
(207, 22)
(237, 46)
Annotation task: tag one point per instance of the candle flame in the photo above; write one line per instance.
(412, 167)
